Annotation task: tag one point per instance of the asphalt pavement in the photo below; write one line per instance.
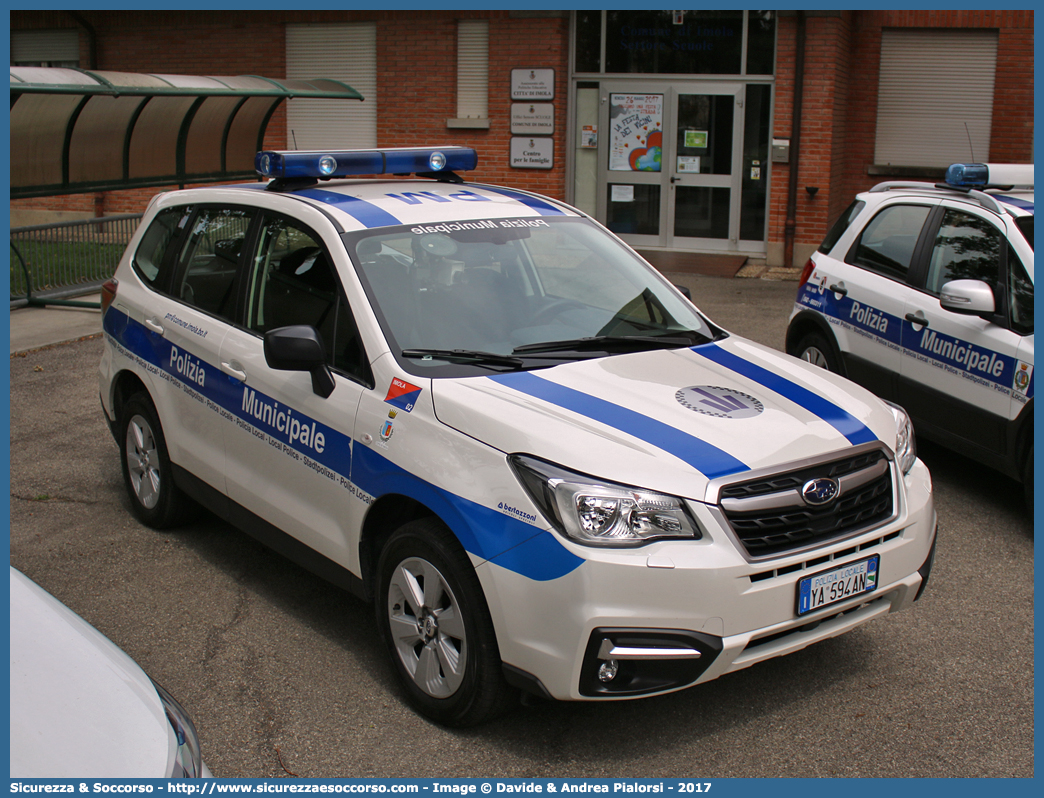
(284, 674)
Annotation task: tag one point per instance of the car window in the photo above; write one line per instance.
(1020, 293)
(887, 243)
(293, 282)
(209, 261)
(839, 227)
(967, 247)
(155, 244)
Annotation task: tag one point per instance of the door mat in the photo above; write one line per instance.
(694, 262)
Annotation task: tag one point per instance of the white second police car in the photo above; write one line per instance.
(480, 409)
(924, 294)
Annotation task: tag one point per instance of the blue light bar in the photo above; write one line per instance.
(327, 164)
(978, 175)
(968, 175)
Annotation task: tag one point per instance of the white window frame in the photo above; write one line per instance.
(472, 75)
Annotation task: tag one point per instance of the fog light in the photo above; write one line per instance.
(607, 670)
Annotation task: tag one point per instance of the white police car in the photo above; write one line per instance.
(480, 409)
(924, 294)
(81, 707)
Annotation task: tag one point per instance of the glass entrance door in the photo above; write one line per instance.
(673, 166)
(703, 169)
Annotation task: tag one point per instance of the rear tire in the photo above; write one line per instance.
(147, 473)
(434, 621)
(814, 348)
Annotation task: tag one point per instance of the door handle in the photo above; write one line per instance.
(675, 179)
(154, 325)
(234, 368)
(839, 288)
(917, 318)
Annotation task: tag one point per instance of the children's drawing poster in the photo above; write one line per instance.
(636, 132)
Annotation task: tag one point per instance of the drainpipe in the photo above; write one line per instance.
(92, 63)
(795, 143)
(92, 38)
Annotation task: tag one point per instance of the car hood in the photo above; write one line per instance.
(80, 707)
(669, 420)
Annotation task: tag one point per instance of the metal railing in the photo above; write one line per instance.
(52, 262)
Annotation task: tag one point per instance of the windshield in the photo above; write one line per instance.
(516, 293)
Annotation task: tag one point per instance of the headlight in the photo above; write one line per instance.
(598, 513)
(186, 760)
(905, 442)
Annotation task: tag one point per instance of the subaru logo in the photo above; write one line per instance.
(820, 491)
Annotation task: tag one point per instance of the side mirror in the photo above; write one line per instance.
(299, 348)
(685, 291)
(969, 297)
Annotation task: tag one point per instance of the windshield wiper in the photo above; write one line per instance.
(465, 356)
(616, 342)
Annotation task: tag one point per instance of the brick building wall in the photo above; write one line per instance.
(839, 116)
(1011, 132)
(416, 56)
(416, 85)
(416, 78)
(821, 150)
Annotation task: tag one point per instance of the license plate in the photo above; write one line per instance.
(829, 587)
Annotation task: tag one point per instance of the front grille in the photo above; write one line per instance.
(770, 518)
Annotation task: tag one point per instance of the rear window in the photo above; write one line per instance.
(840, 226)
(152, 251)
(886, 245)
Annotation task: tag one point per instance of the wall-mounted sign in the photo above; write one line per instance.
(532, 84)
(688, 163)
(532, 118)
(589, 137)
(530, 152)
(636, 131)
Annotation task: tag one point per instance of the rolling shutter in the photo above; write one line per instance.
(344, 52)
(472, 69)
(935, 98)
(49, 47)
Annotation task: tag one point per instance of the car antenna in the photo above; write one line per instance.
(970, 145)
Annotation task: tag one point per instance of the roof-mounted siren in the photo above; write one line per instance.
(985, 175)
(297, 168)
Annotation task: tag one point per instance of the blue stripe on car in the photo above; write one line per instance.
(1015, 202)
(845, 423)
(366, 213)
(701, 455)
(487, 533)
(530, 201)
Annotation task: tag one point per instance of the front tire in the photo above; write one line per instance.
(434, 621)
(147, 473)
(815, 349)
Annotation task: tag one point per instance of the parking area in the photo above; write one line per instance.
(284, 674)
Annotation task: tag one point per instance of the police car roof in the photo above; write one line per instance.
(328, 178)
(378, 202)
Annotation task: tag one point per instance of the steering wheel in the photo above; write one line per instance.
(553, 308)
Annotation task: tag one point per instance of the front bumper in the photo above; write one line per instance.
(701, 595)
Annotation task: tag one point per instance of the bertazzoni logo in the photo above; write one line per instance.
(720, 402)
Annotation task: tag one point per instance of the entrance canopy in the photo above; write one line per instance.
(76, 131)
